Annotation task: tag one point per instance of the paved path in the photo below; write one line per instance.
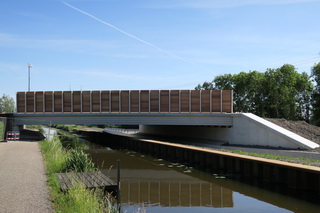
(22, 179)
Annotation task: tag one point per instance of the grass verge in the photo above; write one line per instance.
(298, 160)
(78, 199)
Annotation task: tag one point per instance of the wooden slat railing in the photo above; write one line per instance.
(126, 101)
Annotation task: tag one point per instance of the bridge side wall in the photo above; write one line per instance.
(126, 101)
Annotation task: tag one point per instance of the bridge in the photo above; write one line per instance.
(195, 114)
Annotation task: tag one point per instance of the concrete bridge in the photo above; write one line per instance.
(199, 115)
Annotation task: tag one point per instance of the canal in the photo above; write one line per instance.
(154, 185)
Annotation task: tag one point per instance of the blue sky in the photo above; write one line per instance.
(157, 44)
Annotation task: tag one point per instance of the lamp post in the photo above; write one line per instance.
(29, 66)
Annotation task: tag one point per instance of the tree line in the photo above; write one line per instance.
(276, 93)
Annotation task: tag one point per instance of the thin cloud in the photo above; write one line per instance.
(133, 37)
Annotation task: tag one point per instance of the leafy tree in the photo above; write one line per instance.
(205, 86)
(315, 73)
(277, 93)
(7, 104)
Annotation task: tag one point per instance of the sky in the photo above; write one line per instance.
(157, 44)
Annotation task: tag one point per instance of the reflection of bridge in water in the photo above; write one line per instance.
(170, 194)
(157, 183)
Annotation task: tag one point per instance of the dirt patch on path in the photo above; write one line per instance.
(301, 128)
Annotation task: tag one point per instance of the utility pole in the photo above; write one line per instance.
(29, 66)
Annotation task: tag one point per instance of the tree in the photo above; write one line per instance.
(7, 104)
(277, 93)
(315, 73)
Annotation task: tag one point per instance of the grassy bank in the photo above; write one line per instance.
(298, 160)
(1, 130)
(78, 199)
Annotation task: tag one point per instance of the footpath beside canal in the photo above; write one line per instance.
(22, 178)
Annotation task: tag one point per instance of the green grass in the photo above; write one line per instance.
(68, 128)
(298, 160)
(78, 199)
(70, 141)
(1, 130)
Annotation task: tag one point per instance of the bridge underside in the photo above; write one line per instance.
(243, 128)
(173, 119)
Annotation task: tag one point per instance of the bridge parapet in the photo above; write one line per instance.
(126, 101)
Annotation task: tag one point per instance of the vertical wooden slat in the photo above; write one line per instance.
(174, 101)
(76, 100)
(154, 101)
(100, 101)
(205, 100)
(62, 104)
(105, 106)
(90, 101)
(226, 101)
(53, 101)
(169, 101)
(144, 100)
(180, 101)
(185, 105)
(95, 101)
(21, 105)
(110, 102)
(129, 102)
(216, 101)
(115, 98)
(34, 102)
(221, 107)
(85, 101)
(57, 101)
(134, 101)
(164, 101)
(67, 105)
(43, 103)
(48, 101)
(71, 101)
(190, 99)
(210, 101)
(81, 109)
(39, 102)
(125, 101)
(30, 102)
(195, 101)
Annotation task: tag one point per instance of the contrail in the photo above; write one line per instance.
(129, 35)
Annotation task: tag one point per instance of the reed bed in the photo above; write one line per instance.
(78, 199)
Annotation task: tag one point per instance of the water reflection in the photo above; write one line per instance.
(159, 186)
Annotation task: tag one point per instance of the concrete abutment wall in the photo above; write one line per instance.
(247, 129)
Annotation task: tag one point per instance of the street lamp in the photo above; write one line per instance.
(29, 66)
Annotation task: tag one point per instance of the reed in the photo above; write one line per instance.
(78, 161)
(78, 199)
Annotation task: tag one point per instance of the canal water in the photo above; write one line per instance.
(154, 185)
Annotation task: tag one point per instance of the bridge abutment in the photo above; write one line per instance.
(247, 129)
